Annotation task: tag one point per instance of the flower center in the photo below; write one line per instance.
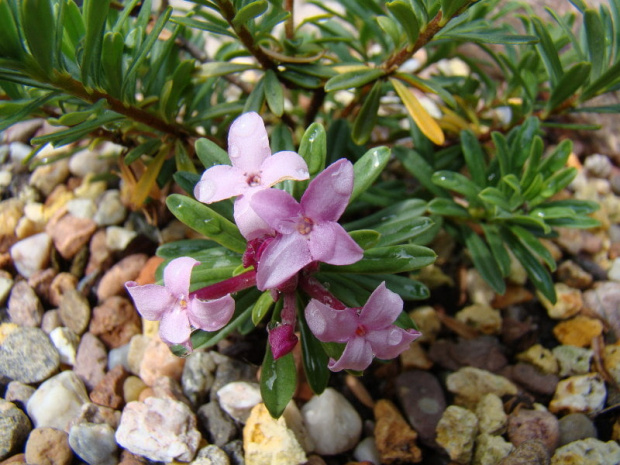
(361, 330)
(183, 302)
(253, 180)
(305, 225)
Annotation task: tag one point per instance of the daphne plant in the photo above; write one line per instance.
(287, 242)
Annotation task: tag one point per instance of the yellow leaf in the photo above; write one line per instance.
(422, 119)
(147, 183)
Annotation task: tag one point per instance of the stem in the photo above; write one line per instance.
(289, 309)
(317, 291)
(289, 26)
(228, 286)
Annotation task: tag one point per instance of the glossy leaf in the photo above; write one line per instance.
(146, 148)
(403, 13)
(532, 243)
(447, 207)
(249, 12)
(367, 169)
(314, 358)
(388, 26)
(456, 182)
(95, 13)
(548, 53)
(365, 238)
(313, 148)
(256, 98)
(112, 61)
(37, 21)
(425, 122)
(223, 68)
(366, 119)
(353, 79)
(211, 154)
(407, 288)
(497, 247)
(261, 307)
(10, 42)
(474, 157)
(400, 211)
(483, 259)
(450, 7)
(278, 381)
(185, 247)
(568, 84)
(274, 93)
(394, 259)
(595, 40)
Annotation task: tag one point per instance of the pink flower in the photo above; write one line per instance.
(175, 308)
(253, 169)
(368, 332)
(307, 231)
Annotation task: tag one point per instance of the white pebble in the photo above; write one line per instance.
(66, 343)
(31, 254)
(238, 398)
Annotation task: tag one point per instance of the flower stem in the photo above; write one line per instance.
(317, 291)
(228, 286)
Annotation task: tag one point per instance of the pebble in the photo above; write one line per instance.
(109, 391)
(481, 317)
(604, 301)
(46, 177)
(568, 303)
(111, 210)
(574, 427)
(27, 355)
(428, 321)
(48, 446)
(415, 357)
(267, 440)
(198, 376)
(87, 162)
(14, 428)
(470, 384)
(220, 428)
(524, 425)
(31, 254)
(531, 452)
(578, 331)
(229, 370)
(25, 308)
(456, 432)
(584, 393)
(490, 450)
(66, 343)
(70, 234)
(113, 282)
(159, 361)
(19, 152)
(571, 274)
(74, 311)
(332, 422)
(159, 429)
(117, 238)
(295, 422)
(492, 419)
(422, 398)
(598, 165)
(57, 401)
(91, 360)
(11, 211)
(18, 393)
(483, 352)
(211, 455)
(614, 272)
(98, 414)
(135, 354)
(94, 443)
(100, 257)
(119, 356)
(612, 361)
(532, 379)
(572, 360)
(61, 283)
(22, 131)
(166, 387)
(366, 451)
(6, 284)
(478, 289)
(234, 450)
(82, 208)
(394, 438)
(132, 387)
(238, 398)
(541, 357)
(115, 321)
(588, 451)
(51, 320)
(41, 282)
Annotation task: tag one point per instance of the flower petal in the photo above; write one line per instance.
(248, 144)
(278, 209)
(220, 182)
(330, 243)
(381, 309)
(151, 300)
(282, 258)
(329, 325)
(177, 275)
(249, 223)
(328, 194)
(391, 342)
(211, 315)
(281, 166)
(357, 355)
(174, 326)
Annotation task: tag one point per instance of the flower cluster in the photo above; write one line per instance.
(287, 240)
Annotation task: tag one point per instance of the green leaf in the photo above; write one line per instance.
(502, 153)
(394, 259)
(278, 381)
(223, 68)
(488, 36)
(570, 82)
(420, 169)
(458, 183)
(261, 307)
(474, 157)
(353, 79)
(400, 211)
(367, 169)
(557, 159)
(447, 207)
(365, 238)
(314, 358)
(483, 260)
(547, 51)
(112, 61)
(388, 26)
(10, 42)
(273, 92)
(95, 13)
(313, 148)
(399, 232)
(496, 244)
(39, 30)
(450, 7)
(366, 119)
(202, 25)
(206, 221)
(249, 12)
(403, 13)
(407, 288)
(13, 111)
(146, 148)
(532, 243)
(495, 197)
(185, 247)
(256, 98)
(595, 40)
(211, 154)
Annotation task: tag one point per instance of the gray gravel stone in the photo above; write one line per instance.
(24, 306)
(198, 376)
(27, 355)
(219, 427)
(75, 311)
(14, 428)
(574, 427)
(94, 443)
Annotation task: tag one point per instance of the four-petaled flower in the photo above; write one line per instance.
(306, 231)
(176, 308)
(253, 169)
(367, 332)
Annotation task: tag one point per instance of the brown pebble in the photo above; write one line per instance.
(48, 446)
(525, 425)
(75, 311)
(62, 282)
(531, 452)
(109, 391)
(159, 361)
(18, 459)
(70, 234)
(25, 308)
(115, 322)
(113, 282)
(395, 439)
(132, 388)
(127, 458)
(91, 360)
(578, 331)
(100, 255)
(41, 281)
(51, 320)
(147, 274)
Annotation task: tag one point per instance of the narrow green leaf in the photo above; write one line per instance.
(450, 7)
(548, 53)
(273, 92)
(595, 40)
(400, 211)
(447, 207)
(394, 259)
(211, 154)
(458, 183)
(171, 101)
(203, 26)
(95, 13)
(495, 197)
(498, 249)
(10, 42)
(403, 231)
(256, 98)
(559, 181)
(223, 68)
(474, 157)
(112, 61)
(38, 26)
(278, 381)
(365, 238)
(185, 247)
(146, 148)
(483, 259)
(532, 243)
(249, 12)
(261, 307)
(314, 358)
(353, 79)
(186, 181)
(407, 288)
(420, 169)
(403, 13)
(14, 112)
(367, 169)
(206, 221)
(388, 26)
(568, 85)
(502, 153)
(557, 159)
(366, 119)
(313, 148)
(488, 36)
